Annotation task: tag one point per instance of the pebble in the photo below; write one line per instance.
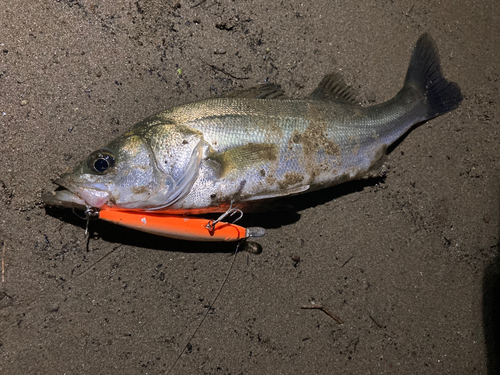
(252, 247)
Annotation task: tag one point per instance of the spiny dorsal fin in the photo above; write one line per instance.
(332, 87)
(264, 91)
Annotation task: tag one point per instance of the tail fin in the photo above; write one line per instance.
(424, 74)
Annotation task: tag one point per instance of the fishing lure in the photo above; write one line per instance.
(191, 228)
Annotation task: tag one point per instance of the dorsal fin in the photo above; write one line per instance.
(264, 91)
(332, 87)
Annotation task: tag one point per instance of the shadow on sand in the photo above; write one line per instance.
(285, 212)
(491, 312)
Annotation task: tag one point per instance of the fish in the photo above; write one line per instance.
(245, 148)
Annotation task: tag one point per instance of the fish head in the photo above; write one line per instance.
(146, 168)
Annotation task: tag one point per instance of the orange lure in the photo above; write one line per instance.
(191, 228)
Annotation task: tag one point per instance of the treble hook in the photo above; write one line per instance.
(90, 213)
(230, 212)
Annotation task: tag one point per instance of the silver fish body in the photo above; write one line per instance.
(204, 156)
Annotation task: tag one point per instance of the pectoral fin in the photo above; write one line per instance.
(244, 157)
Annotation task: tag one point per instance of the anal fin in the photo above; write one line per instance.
(279, 194)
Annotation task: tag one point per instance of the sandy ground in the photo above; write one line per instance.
(410, 263)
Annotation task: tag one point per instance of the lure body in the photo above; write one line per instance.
(191, 228)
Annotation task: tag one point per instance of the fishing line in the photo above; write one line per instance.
(210, 306)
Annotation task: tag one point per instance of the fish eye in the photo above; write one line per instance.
(101, 161)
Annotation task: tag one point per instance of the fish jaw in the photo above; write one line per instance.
(93, 197)
(75, 194)
(64, 198)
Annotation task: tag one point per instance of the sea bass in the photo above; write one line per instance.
(247, 147)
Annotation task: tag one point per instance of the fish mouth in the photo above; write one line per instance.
(72, 195)
(62, 197)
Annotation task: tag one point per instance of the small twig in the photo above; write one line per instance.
(325, 310)
(3, 261)
(356, 342)
(347, 261)
(198, 4)
(374, 321)
(222, 70)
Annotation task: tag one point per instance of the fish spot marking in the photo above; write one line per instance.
(296, 136)
(354, 141)
(356, 149)
(290, 179)
(315, 136)
(294, 140)
(139, 189)
(321, 153)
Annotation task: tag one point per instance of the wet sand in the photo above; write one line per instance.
(409, 263)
